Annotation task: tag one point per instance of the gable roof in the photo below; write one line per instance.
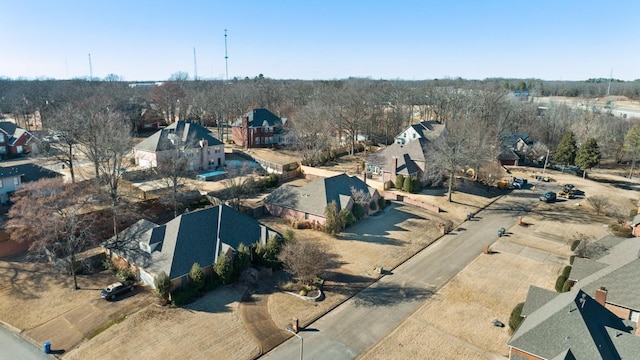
(536, 298)
(191, 238)
(574, 324)
(27, 172)
(616, 267)
(260, 118)
(426, 129)
(407, 155)
(188, 134)
(313, 197)
(13, 131)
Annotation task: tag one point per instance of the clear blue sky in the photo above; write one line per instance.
(328, 39)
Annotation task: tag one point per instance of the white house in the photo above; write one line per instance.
(429, 130)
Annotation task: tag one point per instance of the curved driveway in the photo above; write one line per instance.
(359, 323)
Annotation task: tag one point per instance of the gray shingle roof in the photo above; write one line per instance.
(407, 155)
(619, 285)
(536, 298)
(192, 238)
(28, 172)
(429, 130)
(314, 197)
(260, 118)
(575, 321)
(584, 267)
(188, 133)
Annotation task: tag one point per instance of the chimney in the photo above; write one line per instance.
(245, 131)
(364, 177)
(394, 170)
(601, 295)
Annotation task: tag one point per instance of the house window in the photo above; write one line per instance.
(16, 181)
(634, 316)
(1, 184)
(306, 216)
(1, 137)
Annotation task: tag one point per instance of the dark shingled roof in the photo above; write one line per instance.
(536, 298)
(575, 322)
(28, 172)
(260, 118)
(186, 132)
(314, 197)
(191, 238)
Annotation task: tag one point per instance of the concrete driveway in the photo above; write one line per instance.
(362, 321)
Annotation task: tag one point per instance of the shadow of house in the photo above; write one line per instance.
(199, 236)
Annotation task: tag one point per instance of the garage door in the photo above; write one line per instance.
(146, 278)
(144, 163)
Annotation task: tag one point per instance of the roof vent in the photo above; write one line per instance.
(583, 300)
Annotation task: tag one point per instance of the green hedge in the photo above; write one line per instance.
(560, 282)
(516, 316)
(574, 245)
(566, 271)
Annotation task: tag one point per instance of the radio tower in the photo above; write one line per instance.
(226, 58)
(195, 65)
(90, 69)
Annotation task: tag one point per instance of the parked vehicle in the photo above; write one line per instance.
(114, 290)
(501, 232)
(548, 197)
(519, 183)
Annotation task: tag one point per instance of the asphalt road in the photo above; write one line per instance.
(362, 321)
(13, 347)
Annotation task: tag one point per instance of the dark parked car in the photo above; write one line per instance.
(548, 197)
(116, 289)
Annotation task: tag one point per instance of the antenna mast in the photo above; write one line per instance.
(195, 65)
(90, 69)
(610, 77)
(226, 58)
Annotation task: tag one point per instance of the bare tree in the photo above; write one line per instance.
(599, 203)
(61, 147)
(306, 260)
(68, 230)
(168, 97)
(312, 128)
(448, 154)
(239, 184)
(172, 166)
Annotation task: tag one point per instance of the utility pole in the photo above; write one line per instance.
(195, 65)
(226, 57)
(90, 69)
(546, 160)
(610, 76)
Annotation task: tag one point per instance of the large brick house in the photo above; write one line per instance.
(15, 140)
(259, 128)
(200, 236)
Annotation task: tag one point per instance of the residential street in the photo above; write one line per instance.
(15, 347)
(363, 320)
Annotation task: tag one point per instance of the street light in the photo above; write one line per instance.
(289, 329)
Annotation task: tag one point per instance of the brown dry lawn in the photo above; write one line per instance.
(456, 323)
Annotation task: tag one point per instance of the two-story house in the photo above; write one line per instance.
(428, 130)
(201, 149)
(15, 140)
(259, 128)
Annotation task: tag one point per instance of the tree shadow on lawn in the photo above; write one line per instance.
(219, 300)
(377, 229)
(27, 279)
